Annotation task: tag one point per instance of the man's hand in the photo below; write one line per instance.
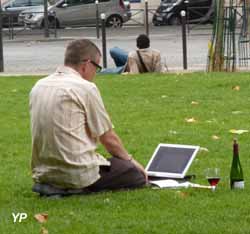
(140, 168)
(114, 146)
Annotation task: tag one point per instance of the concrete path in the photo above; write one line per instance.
(31, 53)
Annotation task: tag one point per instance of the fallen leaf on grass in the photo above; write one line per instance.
(106, 200)
(44, 231)
(203, 149)
(182, 194)
(194, 103)
(209, 121)
(190, 120)
(236, 88)
(238, 131)
(41, 218)
(214, 137)
(237, 112)
(172, 132)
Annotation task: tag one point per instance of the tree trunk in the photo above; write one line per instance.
(218, 62)
(247, 6)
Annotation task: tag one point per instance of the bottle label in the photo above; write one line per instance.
(239, 185)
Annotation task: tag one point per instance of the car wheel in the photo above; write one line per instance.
(114, 21)
(175, 20)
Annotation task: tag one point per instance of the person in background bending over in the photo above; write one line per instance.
(68, 118)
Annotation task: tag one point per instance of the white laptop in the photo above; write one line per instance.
(171, 161)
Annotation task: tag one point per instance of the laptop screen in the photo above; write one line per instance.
(171, 160)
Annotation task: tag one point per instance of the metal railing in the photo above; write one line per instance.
(140, 17)
(15, 27)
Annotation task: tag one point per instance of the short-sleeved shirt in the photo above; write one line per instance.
(150, 57)
(67, 117)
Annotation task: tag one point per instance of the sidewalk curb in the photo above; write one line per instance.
(40, 40)
(118, 38)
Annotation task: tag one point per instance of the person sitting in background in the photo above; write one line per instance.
(142, 60)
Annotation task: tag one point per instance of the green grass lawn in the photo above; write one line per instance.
(146, 110)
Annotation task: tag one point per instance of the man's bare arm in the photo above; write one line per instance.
(114, 146)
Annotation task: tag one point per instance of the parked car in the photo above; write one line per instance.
(12, 8)
(198, 11)
(78, 13)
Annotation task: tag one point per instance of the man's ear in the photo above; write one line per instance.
(82, 67)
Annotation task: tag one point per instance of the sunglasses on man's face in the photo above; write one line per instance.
(97, 66)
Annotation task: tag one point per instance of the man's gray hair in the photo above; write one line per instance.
(80, 50)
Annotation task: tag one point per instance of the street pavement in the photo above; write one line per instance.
(31, 53)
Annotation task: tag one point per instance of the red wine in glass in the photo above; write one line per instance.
(213, 181)
(213, 177)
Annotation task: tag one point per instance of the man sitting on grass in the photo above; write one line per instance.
(68, 118)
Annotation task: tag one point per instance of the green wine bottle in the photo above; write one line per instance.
(236, 174)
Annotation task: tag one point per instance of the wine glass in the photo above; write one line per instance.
(213, 177)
